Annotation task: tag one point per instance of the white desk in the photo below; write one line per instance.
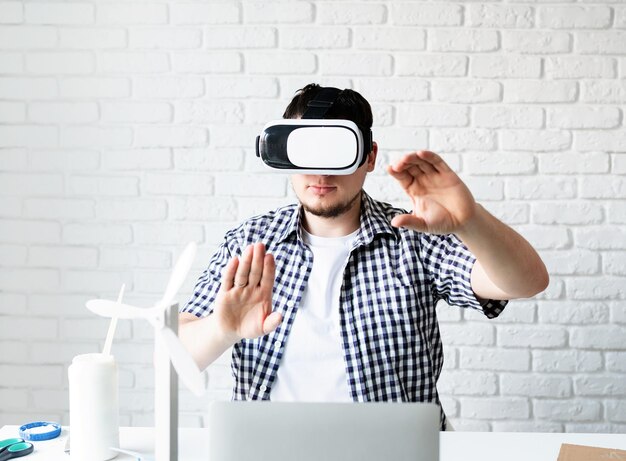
(455, 446)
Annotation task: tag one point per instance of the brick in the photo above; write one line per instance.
(54, 112)
(459, 140)
(378, 38)
(207, 62)
(526, 426)
(168, 233)
(30, 184)
(177, 184)
(507, 117)
(170, 38)
(618, 164)
(94, 88)
(320, 37)
(280, 62)
(427, 115)
(28, 136)
(472, 91)
(97, 234)
(584, 117)
(579, 212)
(31, 376)
(48, 256)
(567, 410)
(566, 361)
(12, 304)
(75, 160)
(603, 186)
(531, 336)
(604, 91)
(494, 359)
(94, 136)
(11, 12)
(136, 112)
(468, 334)
(403, 90)
(539, 91)
(495, 408)
(536, 42)
(58, 208)
(500, 16)
(59, 13)
(365, 64)
(134, 258)
(27, 37)
(516, 312)
(207, 13)
(618, 312)
(104, 186)
(401, 138)
(89, 281)
(27, 88)
(598, 337)
(431, 65)
(499, 163)
(615, 361)
(77, 62)
(588, 289)
(599, 386)
(12, 255)
(573, 17)
(134, 159)
(132, 13)
(459, 40)
(606, 141)
(168, 87)
(614, 263)
(454, 382)
(616, 410)
(90, 38)
(572, 263)
(205, 209)
(244, 185)
(10, 207)
(276, 13)
(12, 112)
(510, 212)
(11, 63)
(617, 212)
(18, 231)
(209, 112)
(407, 14)
(224, 37)
(573, 313)
(25, 279)
(505, 67)
(486, 189)
(131, 210)
(574, 163)
(133, 353)
(201, 159)
(14, 399)
(93, 327)
(240, 87)
(233, 136)
(133, 62)
(605, 42)
(535, 385)
(620, 17)
(580, 67)
(541, 188)
(547, 238)
(350, 13)
(170, 136)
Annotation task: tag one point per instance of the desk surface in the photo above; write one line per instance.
(454, 446)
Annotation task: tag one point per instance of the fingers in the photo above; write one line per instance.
(404, 178)
(410, 222)
(228, 274)
(272, 322)
(241, 276)
(269, 270)
(427, 162)
(256, 268)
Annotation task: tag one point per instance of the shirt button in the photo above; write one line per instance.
(277, 344)
(262, 387)
(291, 304)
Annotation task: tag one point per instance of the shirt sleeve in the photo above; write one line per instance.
(208, 285)
(449, 264)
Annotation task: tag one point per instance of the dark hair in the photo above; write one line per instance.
(349, 105)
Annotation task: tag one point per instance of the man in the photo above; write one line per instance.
(334, 299)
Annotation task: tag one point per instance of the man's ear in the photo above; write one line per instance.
(371, 159)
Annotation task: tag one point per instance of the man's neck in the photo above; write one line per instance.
(339, 226)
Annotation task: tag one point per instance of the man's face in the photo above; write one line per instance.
(330, 196)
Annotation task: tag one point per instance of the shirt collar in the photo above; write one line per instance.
(373, 222)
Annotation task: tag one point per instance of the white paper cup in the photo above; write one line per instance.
(94, 410)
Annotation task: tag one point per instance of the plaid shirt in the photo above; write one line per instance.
(392, 281)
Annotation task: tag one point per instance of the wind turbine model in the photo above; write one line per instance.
(163, 316)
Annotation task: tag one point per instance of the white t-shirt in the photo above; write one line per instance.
(312, 368)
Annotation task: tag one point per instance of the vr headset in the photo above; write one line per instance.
(315, 145)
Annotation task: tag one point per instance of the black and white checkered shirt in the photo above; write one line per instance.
(391, 284)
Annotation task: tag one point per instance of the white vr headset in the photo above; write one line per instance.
(313, 144)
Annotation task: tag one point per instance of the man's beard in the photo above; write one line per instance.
(332, 211)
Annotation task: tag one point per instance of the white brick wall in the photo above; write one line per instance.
(126, 130)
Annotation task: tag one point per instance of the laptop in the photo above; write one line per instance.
(280, 431)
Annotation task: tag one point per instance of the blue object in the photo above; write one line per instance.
(14, 448)
(55, 430)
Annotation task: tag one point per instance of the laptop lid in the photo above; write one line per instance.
(278, 431)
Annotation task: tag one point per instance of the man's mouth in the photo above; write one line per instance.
(321, 189)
